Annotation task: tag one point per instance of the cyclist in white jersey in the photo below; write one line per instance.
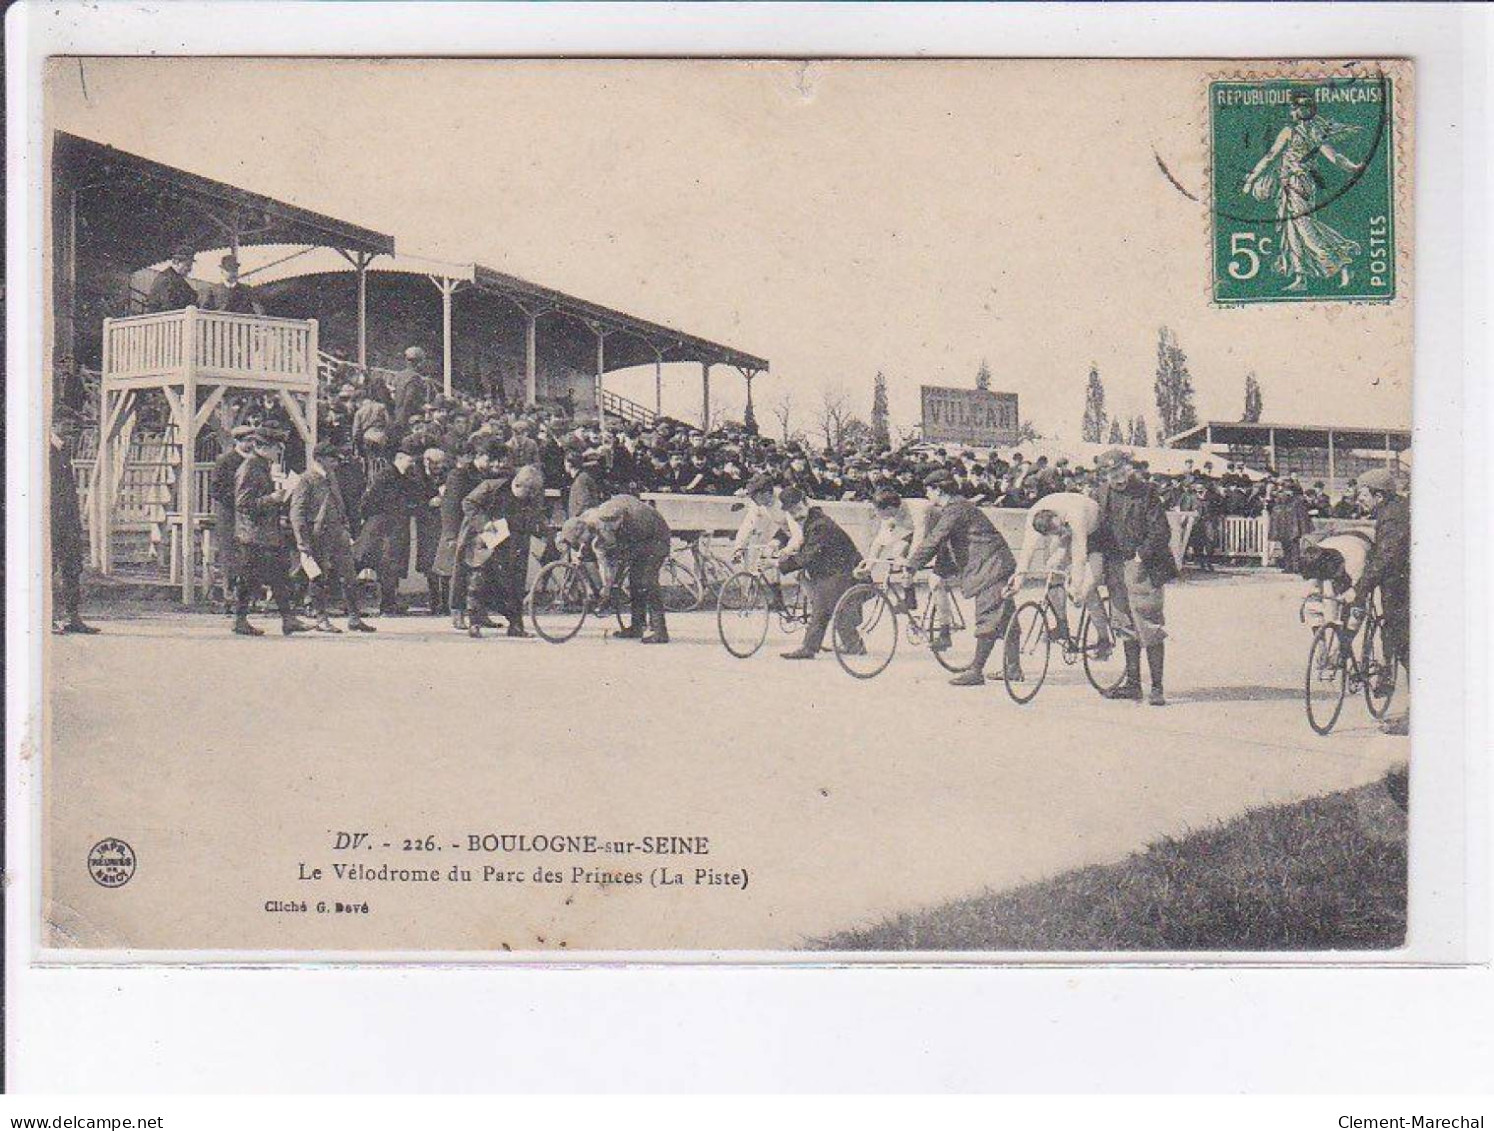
(766, 521)
(1061, 524)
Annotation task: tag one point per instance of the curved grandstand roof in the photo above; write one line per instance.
(631, 340)
(140, 208)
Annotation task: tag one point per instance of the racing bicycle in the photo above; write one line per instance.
(751, 598)
(865, 624)
(1347, 656)
(566, 592)
(1036, 624)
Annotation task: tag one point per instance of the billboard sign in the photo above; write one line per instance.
(975, 417)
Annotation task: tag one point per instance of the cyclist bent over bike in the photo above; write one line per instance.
(1062, 524)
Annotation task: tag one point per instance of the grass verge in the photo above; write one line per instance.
(1328, 873)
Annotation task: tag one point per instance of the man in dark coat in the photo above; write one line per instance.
(1387, 567)
(319, 523)
(1288, 523)
(826, 561)
(984, 561)
(234, 297)
(171, 290)
(411, 391)
(384, 542)
(629, 535)
(1136, 540)
(499, 517)
(221, 488)
(465, 477)
(69, 543)
(586, 490)
(258, 505)
(432, 470)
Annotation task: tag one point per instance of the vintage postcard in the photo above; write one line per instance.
(690, 508)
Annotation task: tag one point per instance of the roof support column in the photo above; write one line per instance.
(1271, 440)
(447, 287)
(705, 396)
(658, 384)
(1332, 466)
(601, 333)
(360, 265)
(531, 367)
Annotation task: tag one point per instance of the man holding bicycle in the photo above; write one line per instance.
(628, 536)
(826, 561)
(1136, 540)
(983, 559)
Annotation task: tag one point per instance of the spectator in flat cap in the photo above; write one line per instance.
(221, 488)
(262, 551)
(384, 542)
(319, 523)
(172, 289)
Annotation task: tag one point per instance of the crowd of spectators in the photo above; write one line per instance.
(373, 417)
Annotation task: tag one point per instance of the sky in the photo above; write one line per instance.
(838, 218)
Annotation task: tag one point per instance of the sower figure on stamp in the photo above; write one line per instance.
(69, 543)
(258, 505)
(983, 559)
(826, 560)
(1136, 540)
(319, 522)
(221, 489)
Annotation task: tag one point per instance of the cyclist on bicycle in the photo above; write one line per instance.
(826, 562)
(766, 521)
(1388, 568)
(1062, 524)
(983, 559)
(898, 531)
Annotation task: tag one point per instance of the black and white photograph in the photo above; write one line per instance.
(686, 507)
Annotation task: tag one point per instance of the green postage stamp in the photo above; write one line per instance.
(1303, 189)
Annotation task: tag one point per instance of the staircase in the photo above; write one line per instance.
(629, 412)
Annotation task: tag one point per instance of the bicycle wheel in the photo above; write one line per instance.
(1327, 679)
(559, 601)
(955, 650)
(1378, 667)
(742, 614)
(1026, 652)
(1104, 658)
(864, 627)
(682, 593)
